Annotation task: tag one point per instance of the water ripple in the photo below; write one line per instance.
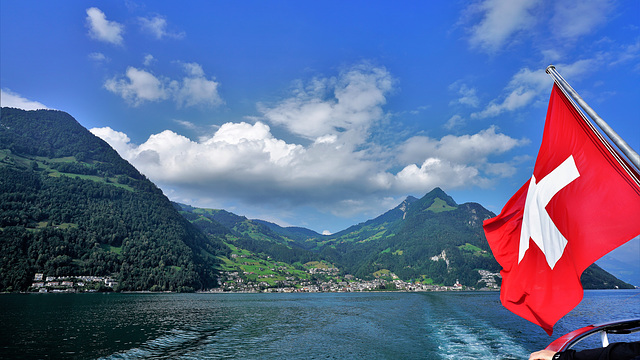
(176, 344)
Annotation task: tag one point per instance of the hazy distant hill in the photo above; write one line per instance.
(69, 205)
(624, 263)
(298, 234)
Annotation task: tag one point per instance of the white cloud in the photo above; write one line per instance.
(238, 153)
(186, 124)
(157, 26)
(119, 141)
(501, 20)
(465, 149)
(148, 60)
(555, 26)
(437, 172)
(527, 86)
(468, 95)
(139, 86)
(10, 99)
(517, 98)
(454, 122)
(196, 89)
(98, 57)
(246, 162)
(349, 104)
(453, 161)
(102, 29)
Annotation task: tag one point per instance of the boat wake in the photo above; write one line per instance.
(474, 339)
(463, 329)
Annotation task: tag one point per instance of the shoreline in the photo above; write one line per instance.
(141, 292)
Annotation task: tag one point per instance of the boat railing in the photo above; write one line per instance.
(571, 339)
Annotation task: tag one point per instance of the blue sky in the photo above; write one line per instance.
(322, 114)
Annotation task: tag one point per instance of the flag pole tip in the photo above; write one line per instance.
(549, 68)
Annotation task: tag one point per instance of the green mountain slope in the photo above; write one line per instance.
(69, 205)
(432, 240)
(249, 235)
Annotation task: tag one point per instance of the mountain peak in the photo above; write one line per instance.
(439, 193)
(435, 200)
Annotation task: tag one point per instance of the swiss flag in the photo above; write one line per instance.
(581, 202)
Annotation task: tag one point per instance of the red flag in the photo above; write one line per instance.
(580, 203)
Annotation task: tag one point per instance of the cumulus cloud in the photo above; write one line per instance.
(459, 149)
(451, 162)
(436, 172)
(102, 29)
(10, 99)
(157, 26)
(119, 141)
(138, 86)
(351, 102)
(245, 161)
(196, 89)
(238, 153)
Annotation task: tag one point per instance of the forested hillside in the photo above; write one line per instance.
(69, 205)
(254, 236)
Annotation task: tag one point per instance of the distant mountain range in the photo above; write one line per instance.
(69, 205)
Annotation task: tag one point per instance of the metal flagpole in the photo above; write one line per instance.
(622, 145)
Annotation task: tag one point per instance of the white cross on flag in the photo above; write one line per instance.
(582, 201)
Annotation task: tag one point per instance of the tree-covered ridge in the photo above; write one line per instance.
(383, 224)
(249, 235)
(431, 239)
(98, 216)
(53, 134)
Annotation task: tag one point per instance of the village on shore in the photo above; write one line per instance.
(323, 280)
(328, 281)
(71, 283)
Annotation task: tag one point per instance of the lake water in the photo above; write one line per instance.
(393, 325)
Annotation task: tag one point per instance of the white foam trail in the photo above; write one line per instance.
(477, 340)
